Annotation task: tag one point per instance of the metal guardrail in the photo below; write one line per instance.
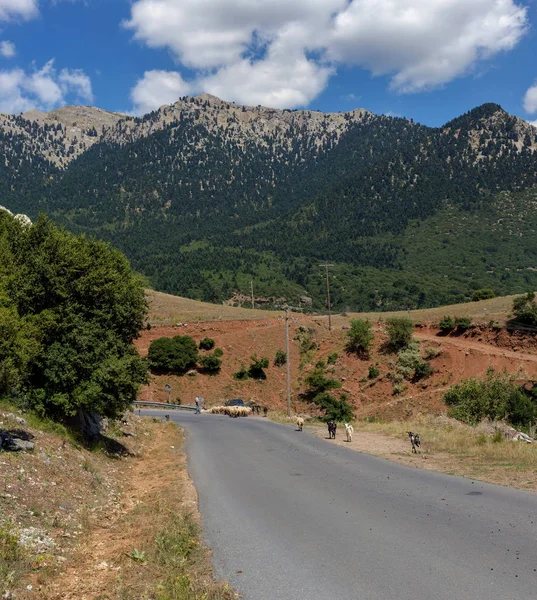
(164, 405)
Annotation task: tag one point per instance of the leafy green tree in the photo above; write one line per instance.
(177, 354)
(483, 294)
(360, 337)
(71, 308)
(399, 330)
(525, 309)
(335, 409)
(318, 383)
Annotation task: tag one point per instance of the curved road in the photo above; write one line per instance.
(291, 517)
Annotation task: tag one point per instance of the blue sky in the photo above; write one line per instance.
(429, 60)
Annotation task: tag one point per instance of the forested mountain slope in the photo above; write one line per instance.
(205, 196)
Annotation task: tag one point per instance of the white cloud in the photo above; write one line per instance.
(14, 9)
(78, 82)
(530, 100)
(43, 88)
(157, 88)
(282, 52)
(424, 43)
(7, 49)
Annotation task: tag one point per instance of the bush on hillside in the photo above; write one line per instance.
(483, 294)
(206, 344)
(281, 358)
(423, 371)
(210, 363)
(525, 309)
(496, 397)
(360, 337)
(218, 352)
(399, 330)
(175, 355)
(446, 324)
(257, 367)
(463, 323)
(241, 374)
(373, 372)
(332, 358)
(70, 308)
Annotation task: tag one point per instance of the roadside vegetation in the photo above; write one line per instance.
(70, 308)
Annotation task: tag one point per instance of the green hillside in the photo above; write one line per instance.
(209, 196)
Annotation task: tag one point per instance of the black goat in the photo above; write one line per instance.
(332, 426)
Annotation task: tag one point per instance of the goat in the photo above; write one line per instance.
(167, 417)
(299, 423)
(332, 426)
(265, 411)
(414, 441)
(349, 430)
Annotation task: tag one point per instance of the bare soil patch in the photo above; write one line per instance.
(132, 551)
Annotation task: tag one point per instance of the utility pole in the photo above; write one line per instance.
(252, 288)
(288, 362)
(328, 296)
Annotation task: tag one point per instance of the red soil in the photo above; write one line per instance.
(461, 357)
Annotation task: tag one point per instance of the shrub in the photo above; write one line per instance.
(373, 372)
(397, 389)
(446, 324)
(177, 354)
(334, 409)
(242, 374)
(399, 331)
(463, 323)
(496, 397)
(525, 309)
(360, 337)
(206, 344)
(318, 383)
(218, 352)
(210, 363)
(281, 358)
(423, 370)
(332, 358)
(430, 353)
(484, 294)
(257, 366)
(304, 336)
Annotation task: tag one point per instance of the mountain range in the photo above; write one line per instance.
(206, 196)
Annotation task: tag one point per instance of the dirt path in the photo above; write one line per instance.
(482, 347)
(104, 559)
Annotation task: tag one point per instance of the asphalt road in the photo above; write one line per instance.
(292, 517)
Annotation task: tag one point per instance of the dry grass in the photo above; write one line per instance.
(166, 309)
(480, 447)
(497, 309)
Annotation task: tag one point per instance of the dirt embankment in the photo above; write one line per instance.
(81, 525)
(456, 357)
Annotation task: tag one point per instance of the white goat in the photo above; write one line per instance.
(299, 423)
(349, 430)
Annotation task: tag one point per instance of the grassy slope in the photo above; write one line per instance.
(167, 309)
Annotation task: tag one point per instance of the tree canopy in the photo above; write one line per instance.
(70, 308)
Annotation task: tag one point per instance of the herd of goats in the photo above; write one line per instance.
(245, 411)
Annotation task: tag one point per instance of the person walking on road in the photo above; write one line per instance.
(198, 405)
